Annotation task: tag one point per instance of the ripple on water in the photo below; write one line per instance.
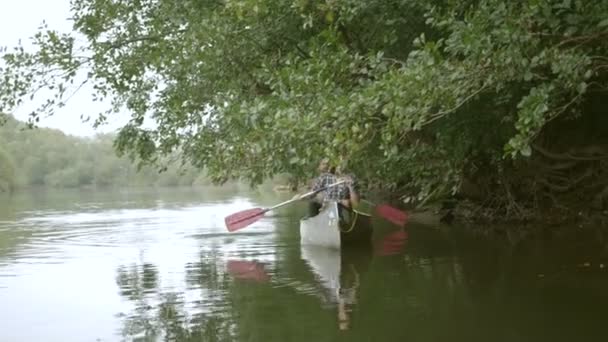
(137, 263)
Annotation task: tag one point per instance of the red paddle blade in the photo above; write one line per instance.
(393, 243)
(248, 270)
(394, 215)
(243, 218)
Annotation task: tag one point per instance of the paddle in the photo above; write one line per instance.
(244, 218)
(392, 214)
(389, 213)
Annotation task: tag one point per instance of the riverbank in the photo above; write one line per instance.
(487, 221)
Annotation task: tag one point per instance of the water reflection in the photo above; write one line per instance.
(136, 281)
(339, 273)
(165, 314)
(164, 268)
(238, 297)
(248, 270)
(313, 293)
(205, 273)
(391, 244)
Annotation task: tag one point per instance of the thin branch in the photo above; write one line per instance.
(443, 113)
(602, 58)
(564, 107)
(76, 90)
(303, 53)
(582, 39)
(564, 156)
(600, 67)
(597, 87)
(120, 43)
(556, 115)
(394, 61)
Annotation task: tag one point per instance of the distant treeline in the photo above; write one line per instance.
(48, 157)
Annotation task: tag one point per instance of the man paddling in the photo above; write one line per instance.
(325, 178)
(346, 194)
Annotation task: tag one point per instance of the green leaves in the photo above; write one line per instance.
(7, 172)
(415, 93)
(532, 116)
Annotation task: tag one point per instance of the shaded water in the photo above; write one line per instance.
(159, 265)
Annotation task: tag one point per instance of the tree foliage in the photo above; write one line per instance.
(47, 157)
(425, 96)
(7, 172)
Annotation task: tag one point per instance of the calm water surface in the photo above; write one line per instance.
(155, 265)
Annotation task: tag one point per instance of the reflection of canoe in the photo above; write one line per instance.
(326, 265)
(338, 275)
(335, 227)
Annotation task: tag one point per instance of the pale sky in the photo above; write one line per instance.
(20, 20)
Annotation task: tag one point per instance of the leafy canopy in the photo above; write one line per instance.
(418, 94)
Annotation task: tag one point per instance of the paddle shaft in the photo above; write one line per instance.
(244, 218)
(308, 194)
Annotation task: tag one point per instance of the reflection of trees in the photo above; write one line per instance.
(7, 172)
(178, 325)
(137, 283)
(264, 313)
(206, 273)
(441, 287)
(457, 287)
(137, 280)
(164, 315)
(234, 309)
(14, 237)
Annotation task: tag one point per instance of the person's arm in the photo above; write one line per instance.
(352, 190)
(354, 196)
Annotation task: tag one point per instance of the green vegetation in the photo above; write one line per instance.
(7, 172)
(497, 102)
(47, 157)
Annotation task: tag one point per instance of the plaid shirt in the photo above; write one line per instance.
(342, 192)
(324, 180)
(338, 192)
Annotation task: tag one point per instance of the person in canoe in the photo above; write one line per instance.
(346, 194)
(326, 177)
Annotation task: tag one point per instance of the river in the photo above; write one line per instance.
(154, 265)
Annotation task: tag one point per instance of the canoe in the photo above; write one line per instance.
(335, 227)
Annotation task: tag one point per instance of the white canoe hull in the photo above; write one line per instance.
(322, 229)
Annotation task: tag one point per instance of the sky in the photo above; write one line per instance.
(20, 20)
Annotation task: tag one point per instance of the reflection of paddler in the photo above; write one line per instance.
(355, 261)
(347, 298)
(339, 272)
